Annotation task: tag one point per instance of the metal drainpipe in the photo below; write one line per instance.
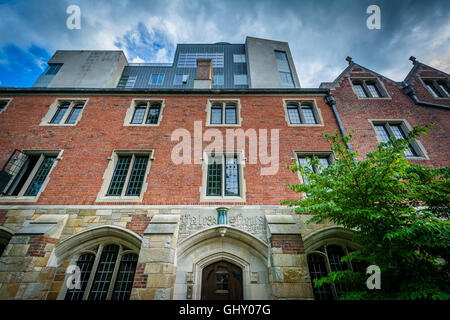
(329, 99)
(409, 91)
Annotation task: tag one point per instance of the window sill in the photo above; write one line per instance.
(58, 124)
(305, 125)
(417, 158)
(119, 199)
(18, 199)
(223, 125)
(222, 199)
(371, 98)
(141, 125)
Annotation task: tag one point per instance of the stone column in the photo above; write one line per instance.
(288, 269)
(155, 274)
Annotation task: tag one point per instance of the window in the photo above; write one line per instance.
(283, 69)
(302, 112)
(218, 80)
(157, 79)
(240, 79)
(29, 171)
(189, 60)
(326, 259)
(3, 104)
(223, 112)
(127, 82)
(180, 79)
(304, 160)
(223, 177)
(125, 176)
(144, 113)
(128, 176)
(63, 112)
(398, 130)
(438, 88)
(239, 58)
(53, 68)
(369, 88)
(107, 273)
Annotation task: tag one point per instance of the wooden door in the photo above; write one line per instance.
(222, 280)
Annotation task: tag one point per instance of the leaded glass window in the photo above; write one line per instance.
(373, 90)
(305, 161)
(149, 111)
(335, 254)
(301, 113)
(317, 270)
(387, 130)
(59, 114)
(74, 114)
(360, 90)
(444, 87)
(85, 263)
(107, 272)
(224, 113)
(432, 89)
(130, 172)
(39, 178)
(3, 105)
(223, 176)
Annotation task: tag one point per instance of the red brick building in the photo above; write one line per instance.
(98, 177)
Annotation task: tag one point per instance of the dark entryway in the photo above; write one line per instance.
(222, 281)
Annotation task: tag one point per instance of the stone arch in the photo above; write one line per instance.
(329, 235)
(222, 243)
(88, 238)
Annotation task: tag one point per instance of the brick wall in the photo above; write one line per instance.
(289, 244)
(37, 245)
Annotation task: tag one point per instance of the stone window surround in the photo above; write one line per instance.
(406, 127)
(436, 86)
(379, 84)
(242, 186)
(211, 102)
(300, 101)
(42, 153)
(8, 101)
(107, 176)
(101, 244)
(54, 107)
(134, 103)
(308, 153)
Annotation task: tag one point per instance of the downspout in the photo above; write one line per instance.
(329, 99)
(409, 91)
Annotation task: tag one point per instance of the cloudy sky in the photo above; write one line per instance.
(320, 33)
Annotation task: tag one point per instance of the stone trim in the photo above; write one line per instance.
(7, 103)
(149, 101)
(436, 86)
(379, 84)
(223, 102)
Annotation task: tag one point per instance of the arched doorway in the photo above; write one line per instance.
(222, 280)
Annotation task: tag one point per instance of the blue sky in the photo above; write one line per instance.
(320, 33)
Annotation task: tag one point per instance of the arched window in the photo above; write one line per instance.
(325, 259)
(107, 273)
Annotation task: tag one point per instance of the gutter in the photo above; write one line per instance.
(166, 90)
(329, 99)
(409, 91)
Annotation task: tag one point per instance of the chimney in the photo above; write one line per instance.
(204, 77)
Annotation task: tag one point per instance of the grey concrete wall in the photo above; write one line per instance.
(262, 64)
(88, 69)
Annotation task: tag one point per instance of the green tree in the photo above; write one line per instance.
(399, 212)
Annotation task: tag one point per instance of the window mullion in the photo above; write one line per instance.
(67, 114)
(333, 288)
(31, 176)
(130, 168)
(300, 113)
(368, 93)
(389, 130)
(223, 180)
(223, 113)
(114, 275)
(147, 110)
(93, 272)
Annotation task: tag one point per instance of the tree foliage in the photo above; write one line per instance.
(399, 211)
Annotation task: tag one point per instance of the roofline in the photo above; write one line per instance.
(12, 90)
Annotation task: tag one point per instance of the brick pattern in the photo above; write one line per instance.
(140, 278)
(290, 244)
(37, 245)
(138, 223)
(3, 217)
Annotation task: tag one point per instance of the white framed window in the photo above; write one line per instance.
(127, 82)
(107, 272)
(29, 173)
(144, 112)
(64, 112)
(239, 58)
(125, 178)
(223, 112)
(223, 176)
(4, 103)
(302, 112)
(438, 87)
(398, 129)
(240, 79)
(369, 88)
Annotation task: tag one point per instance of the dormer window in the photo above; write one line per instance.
(369, 88)
(437, 87)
